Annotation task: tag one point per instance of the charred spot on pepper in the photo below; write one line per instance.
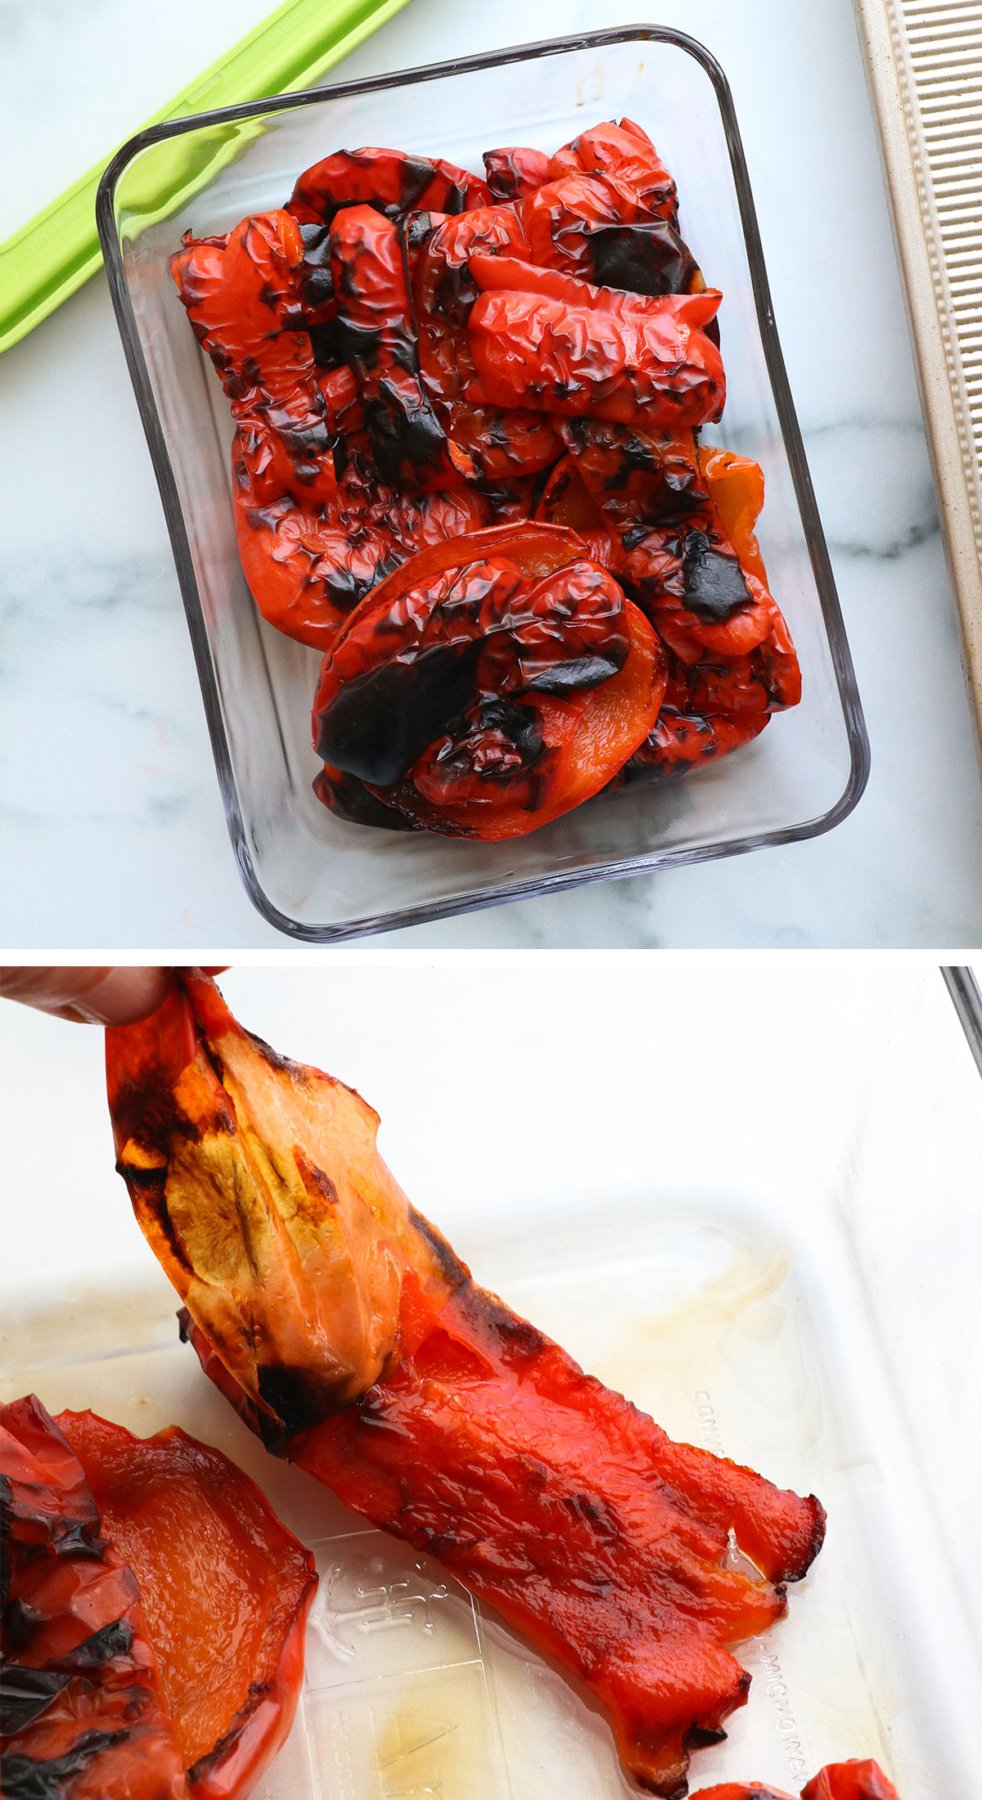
(23, 1778)
(404, 432)
(715, 586)
(589, 1509)
(644, 257)
(700, 1737)
(26, 1693)
(205, 1764)
(351, 800)
(297, 1401)
(517, 1340)
(378, 724)
(448, 1262)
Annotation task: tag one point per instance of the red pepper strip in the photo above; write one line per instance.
(242, 298)
(458, 690)
(83, 1714)
(645, 258)
(499, 444)
(388, 180)
(839, 1781)
(626, 152)
(307, 569)
(631, 359)
(515, 172)
(368, 267)
(256, 1182)
(226, 1590)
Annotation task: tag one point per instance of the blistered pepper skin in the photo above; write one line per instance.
(472, 1435)
(489, 684)
(650, 359)
(83, 1711)
(415, 354)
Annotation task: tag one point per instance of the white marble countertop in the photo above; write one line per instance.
(111, 828)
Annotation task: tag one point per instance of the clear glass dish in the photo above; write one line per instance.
(313, 876)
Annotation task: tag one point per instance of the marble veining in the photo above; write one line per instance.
(111, 825)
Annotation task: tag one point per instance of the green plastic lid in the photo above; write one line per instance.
(47, 259)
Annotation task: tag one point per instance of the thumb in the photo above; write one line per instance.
(97, 996)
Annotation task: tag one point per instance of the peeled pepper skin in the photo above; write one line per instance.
(83, 1713)
(355, 1343)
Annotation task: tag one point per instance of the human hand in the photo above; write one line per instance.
(94, 996)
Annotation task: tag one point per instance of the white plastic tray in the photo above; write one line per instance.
(739, 1324)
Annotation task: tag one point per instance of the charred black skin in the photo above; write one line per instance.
(350, 800)
(381, 722)
(645, 258)
(714, 584)
(21, 1778)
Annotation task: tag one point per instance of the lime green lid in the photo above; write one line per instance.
(56, 251)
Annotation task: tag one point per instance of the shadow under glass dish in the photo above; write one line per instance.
(310, 874)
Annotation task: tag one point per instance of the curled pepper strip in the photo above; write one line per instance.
(456, 1424)
(83, 1711)
(308, 569)
(242, 296)
(470, 690)
(376, 331)
(498, 444)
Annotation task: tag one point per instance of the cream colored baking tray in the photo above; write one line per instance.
(925, 65)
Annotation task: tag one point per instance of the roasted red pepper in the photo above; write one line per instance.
(153, 1630)
(489, 684)
(839, 1781)
(83, 1714)
(373, 1360)
(413, 355)
(225, 1588)
(615, 356)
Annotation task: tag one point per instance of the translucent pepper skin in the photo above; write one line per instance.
(462, 1428)
(489, 684)
(83, 1711)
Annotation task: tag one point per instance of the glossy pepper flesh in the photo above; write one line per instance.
(375, 1362)
(839, 1781)
(188, 1596)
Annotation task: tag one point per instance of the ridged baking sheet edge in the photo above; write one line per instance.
(924, 275)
